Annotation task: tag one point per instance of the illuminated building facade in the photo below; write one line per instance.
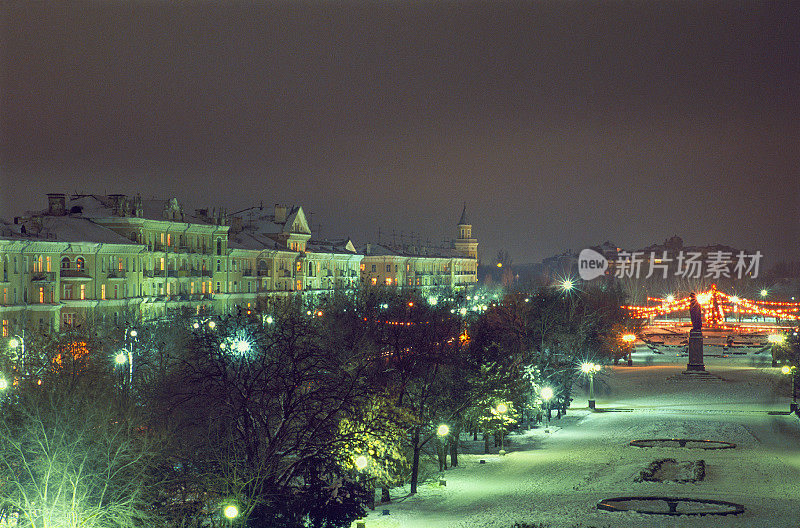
(126, 258)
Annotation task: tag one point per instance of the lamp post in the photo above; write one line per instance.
(777, 341)
(362, 462)
(628, 339)
(547, 394)
(18, 341)
(501, 410)
(442, 432)
(589, 369)
(786, 369)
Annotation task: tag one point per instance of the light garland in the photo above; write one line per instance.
(725, 303)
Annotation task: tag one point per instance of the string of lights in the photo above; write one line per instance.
(724, 304)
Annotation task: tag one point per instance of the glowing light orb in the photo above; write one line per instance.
(776, 339)
(231, 511)
(764, 293)
(121, 358)
(3, 384)
(670, 298)
(241, 346)
(786, 369)
(269, 319)
(501, 408)
(587, 368)
(462, 311)
(629, 338)
(134, 333)
(14, 343)
(433, 301)
(567, 285)
(547, 393)
(212, 324)
(195, 325)
(443, 430)
(361, 462)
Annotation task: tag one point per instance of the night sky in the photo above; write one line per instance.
(559, 124)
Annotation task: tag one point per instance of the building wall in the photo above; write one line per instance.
(171, 264)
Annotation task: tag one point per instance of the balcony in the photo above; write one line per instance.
(43, 276)
(248, 273)
(117, 274)
(264, 273)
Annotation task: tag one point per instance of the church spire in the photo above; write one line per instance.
(464, 220)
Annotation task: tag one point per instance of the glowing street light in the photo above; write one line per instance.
(501, 410)
(547, 394)
(3, 384)
(590, 369)
(361, 463)
(231, 512)
(269, 319)
(567, 285)
(670, 298)
(764, 292)
(212, 325)
(776, 339)
(121, 358)
(786, 369)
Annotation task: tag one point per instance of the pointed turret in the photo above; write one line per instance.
(465, 244)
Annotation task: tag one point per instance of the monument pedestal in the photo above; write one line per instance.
(696, 351)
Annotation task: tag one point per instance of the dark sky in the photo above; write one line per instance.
(560, 124)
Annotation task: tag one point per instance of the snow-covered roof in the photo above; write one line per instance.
(65, 229)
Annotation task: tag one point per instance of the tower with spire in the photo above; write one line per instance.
(465, 244)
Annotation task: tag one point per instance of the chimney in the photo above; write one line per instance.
(368, 249)
(280, 214)
(57, 204)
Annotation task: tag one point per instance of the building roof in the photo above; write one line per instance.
(464, 220)
(64, 229)
(409, 251)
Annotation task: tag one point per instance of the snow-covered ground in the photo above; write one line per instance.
(557, 478)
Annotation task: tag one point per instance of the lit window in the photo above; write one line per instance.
(49, 268)
(191, 291)
(5, 328)
(363, 267)
(374, 281)
(299, 285)
(41, 294)
(388, 281)
(83, 291)
(169, 240)
(103, 292)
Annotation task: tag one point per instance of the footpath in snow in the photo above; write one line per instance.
(557, 478)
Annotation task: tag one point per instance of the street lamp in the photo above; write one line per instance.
(231, 512)
(18, 341)
(628, 339)
(786, 369)
(590, 369)
(764, 292)
(546, 394)
(501, 410)
(361, 463)
(3, 384)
